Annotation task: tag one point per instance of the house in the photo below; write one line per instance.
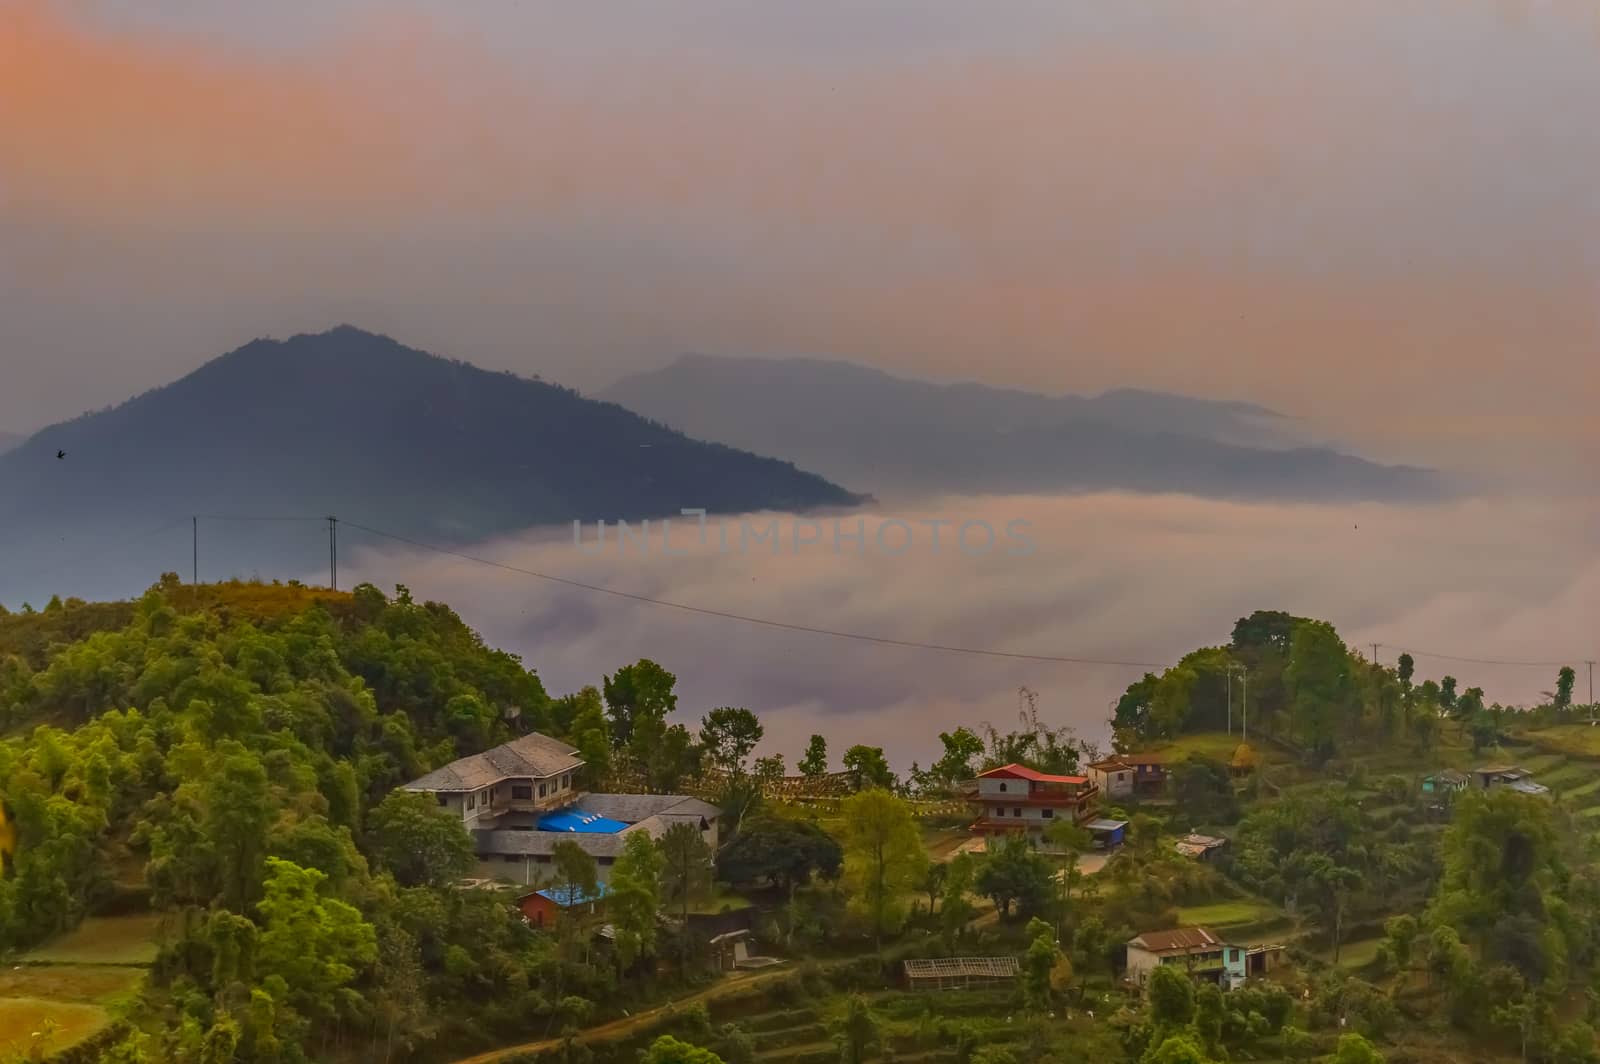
(1200, 953)
(1113, 776)
(1107, 834)
(1149, 772)
(1015, 798)
(1444, 783)
(544, 908)
(1200, 847)
(1537, 790)
(1491, 776)
(521, 798)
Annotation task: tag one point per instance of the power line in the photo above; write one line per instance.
(1477, 661)
(747, 619)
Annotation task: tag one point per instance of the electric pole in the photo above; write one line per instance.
(333, 552)
(1230, 700)
(1244, 708)
(1591, 687)
(194, 529)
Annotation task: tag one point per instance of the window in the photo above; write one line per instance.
(543, 858)
(1002, 785)
(1017, 811)
(444, 799)
(542, 787)
(566, 781)
(508, 857)
(1048, 814)
(522, 793)
(472, 801)
(605, 862)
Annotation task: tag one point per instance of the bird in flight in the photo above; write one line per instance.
(61, 454)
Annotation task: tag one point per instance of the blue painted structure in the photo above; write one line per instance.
(580, 823)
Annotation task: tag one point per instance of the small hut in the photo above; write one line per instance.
(1244, 761)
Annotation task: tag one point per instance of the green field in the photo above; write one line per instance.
(103, 940)
(1574, 740)
(1219, 745)
(1225, 914)
(29, 1025)
(1357, 954)
(83, 983)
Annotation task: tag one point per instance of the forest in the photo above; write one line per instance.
(206, 859)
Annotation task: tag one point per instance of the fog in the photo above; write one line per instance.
(1111, 577)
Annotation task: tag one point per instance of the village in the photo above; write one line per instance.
(523, 798)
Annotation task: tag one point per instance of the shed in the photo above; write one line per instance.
(544, 908)
(949, 973)
(1107, 834)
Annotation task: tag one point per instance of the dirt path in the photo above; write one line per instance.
(628, 1025)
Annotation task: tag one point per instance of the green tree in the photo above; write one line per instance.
(1182, 1048)
(634, 898)
(1565, 680)
(783, 852)
(868, 768)
(591, 733)
(1317, 679)
(1042, 966)
(669, 1050)
(729, 735)
(238, 812)
(955, 907)
(1354, 1049)
(857, 1032)
(316, 945)
(686, 868)
(814, 762)
(1017, 874)
(638, 692)
(883, 856)
(667, 753)
(961, 748)
(1171, 994)
(419, 842)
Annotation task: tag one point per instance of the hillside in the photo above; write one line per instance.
(359, 425)
(860, 425)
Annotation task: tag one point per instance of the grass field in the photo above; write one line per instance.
(1219, 745)
(1357, 954)
(103, 940)
(83, 983)
(1224, 914)
(31, 1025)
(1574, 740)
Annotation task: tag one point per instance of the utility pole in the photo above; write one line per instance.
(1374, 655)
(333, 552)
(1244, 707)
(1591, 687)
(194, 529)
(1230, 700)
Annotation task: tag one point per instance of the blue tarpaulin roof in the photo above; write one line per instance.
(585, 823)
(567, 898)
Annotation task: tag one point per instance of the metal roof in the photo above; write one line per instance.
(1177, 940)
(1102, 824)
(1026, 773)
(533, 756)
(962, 968)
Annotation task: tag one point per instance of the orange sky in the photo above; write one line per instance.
(1388, 225)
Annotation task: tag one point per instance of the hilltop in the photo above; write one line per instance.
(357, 424)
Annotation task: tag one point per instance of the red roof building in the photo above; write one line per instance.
(1016, 798)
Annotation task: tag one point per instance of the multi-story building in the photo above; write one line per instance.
(1195, 950)
(1015, 798)
(521, 798)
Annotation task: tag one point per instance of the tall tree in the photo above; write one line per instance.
(641, 691)
(868, 768)
(1564, 682)
(1318, 683)
(961, 748)
(729, 735)
(635, 897)
(884, 857)
(857, 1032)
(814, 762)
(781, 851)
(669, 1050)
(316, 945)
(686, 867)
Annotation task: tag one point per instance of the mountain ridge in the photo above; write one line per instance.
(862, 424)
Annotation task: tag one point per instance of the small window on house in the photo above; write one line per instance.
(566, 781)
(444, 799)
(542, 789)
(508, 857)
(999, 810)
(1017, 811)
(1048, 814)
(521, 793)
(605, 862)
(472, 801)
(543, 858)
(1002, 785)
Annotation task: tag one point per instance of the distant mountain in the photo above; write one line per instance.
(892, 434)
(8, 440)
(349, 423)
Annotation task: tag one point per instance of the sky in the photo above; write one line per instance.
(1380, 217)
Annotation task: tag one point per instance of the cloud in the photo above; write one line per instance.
(1114, 577)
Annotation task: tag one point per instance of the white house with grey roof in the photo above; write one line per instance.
(521, 798)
